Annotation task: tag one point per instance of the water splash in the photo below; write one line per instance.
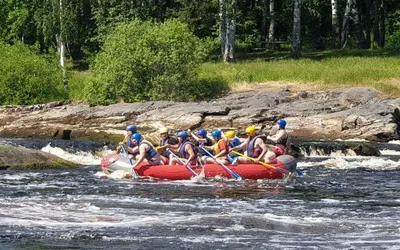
(80, 157)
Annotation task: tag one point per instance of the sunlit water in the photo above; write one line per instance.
(338, 203)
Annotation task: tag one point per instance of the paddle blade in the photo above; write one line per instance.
(236, 176)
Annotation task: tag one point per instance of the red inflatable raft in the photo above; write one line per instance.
(281, 167)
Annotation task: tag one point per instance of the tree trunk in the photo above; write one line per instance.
(61, 46)
(222, 14)
(376, 22)
(345, 24)
(232, 32)
(359, 31)
(264, 24)
(382, 24)
(271, 33)
(335, 25)
(296, 48)
(368, 24)
(228, 29)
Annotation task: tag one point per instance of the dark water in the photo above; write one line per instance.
(338, 203)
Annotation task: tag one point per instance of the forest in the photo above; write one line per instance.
(85, 35)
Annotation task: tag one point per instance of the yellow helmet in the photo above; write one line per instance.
(163, 130)
(250, 130)
(230, 134)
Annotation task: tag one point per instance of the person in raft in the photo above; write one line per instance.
(126, 142)
(166, 142)
(254, 145)
(233, 141)
(147, 153)
(201, 139)
(280, 142)
(220, 149)
(186, 150)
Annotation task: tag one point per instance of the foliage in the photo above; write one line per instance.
(393, 42)
(76, 84)
(147, 61)
(26, 78)
(200, 16)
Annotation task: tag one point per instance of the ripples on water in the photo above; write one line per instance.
(338, 203)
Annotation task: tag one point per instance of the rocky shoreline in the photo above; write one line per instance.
(347, 113)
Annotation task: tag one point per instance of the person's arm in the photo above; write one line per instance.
(196, 138)
(133, 150)
(173, 147)
(259, 142)
(121, 144)
(241, 146)
(142, 155)
(275, 138)
(208, 147)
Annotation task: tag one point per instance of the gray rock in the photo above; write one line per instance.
(347, 113)
(23, 158)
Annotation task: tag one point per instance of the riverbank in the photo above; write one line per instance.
(344, 113)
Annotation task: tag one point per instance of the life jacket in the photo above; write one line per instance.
(216, 146)
(130, 144)
(235, 142)
(283, 142)
(151, 152)
(182, 151)
(164, 141)
(250, 147)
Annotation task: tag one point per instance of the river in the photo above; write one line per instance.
(340, 202)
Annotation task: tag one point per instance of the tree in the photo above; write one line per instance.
(296, 45)
(228, 29)
(143, 61)
(271, 30)
(27, 78)
(200, 16)
(335, 24)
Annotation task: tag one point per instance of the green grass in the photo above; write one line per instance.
(371, 70)
(328, 69)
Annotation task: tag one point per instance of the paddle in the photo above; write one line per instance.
(181, 162)
(135, 175)
(234, 175)
(260, 162)
(160, 147)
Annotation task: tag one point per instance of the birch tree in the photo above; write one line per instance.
(61, 44)
(335, 25)
(264, 18)
(271, 31)
(228, 29)
(296, 46)
(345, 24)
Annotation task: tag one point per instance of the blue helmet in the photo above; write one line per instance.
(217, 134)
(202, 133)
(183, 134)
(137, 137)
(281, 123)
(131, 128)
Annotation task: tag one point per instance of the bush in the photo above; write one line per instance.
(76, 84)
(393, 41)
(143, 61)
(27, 78)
